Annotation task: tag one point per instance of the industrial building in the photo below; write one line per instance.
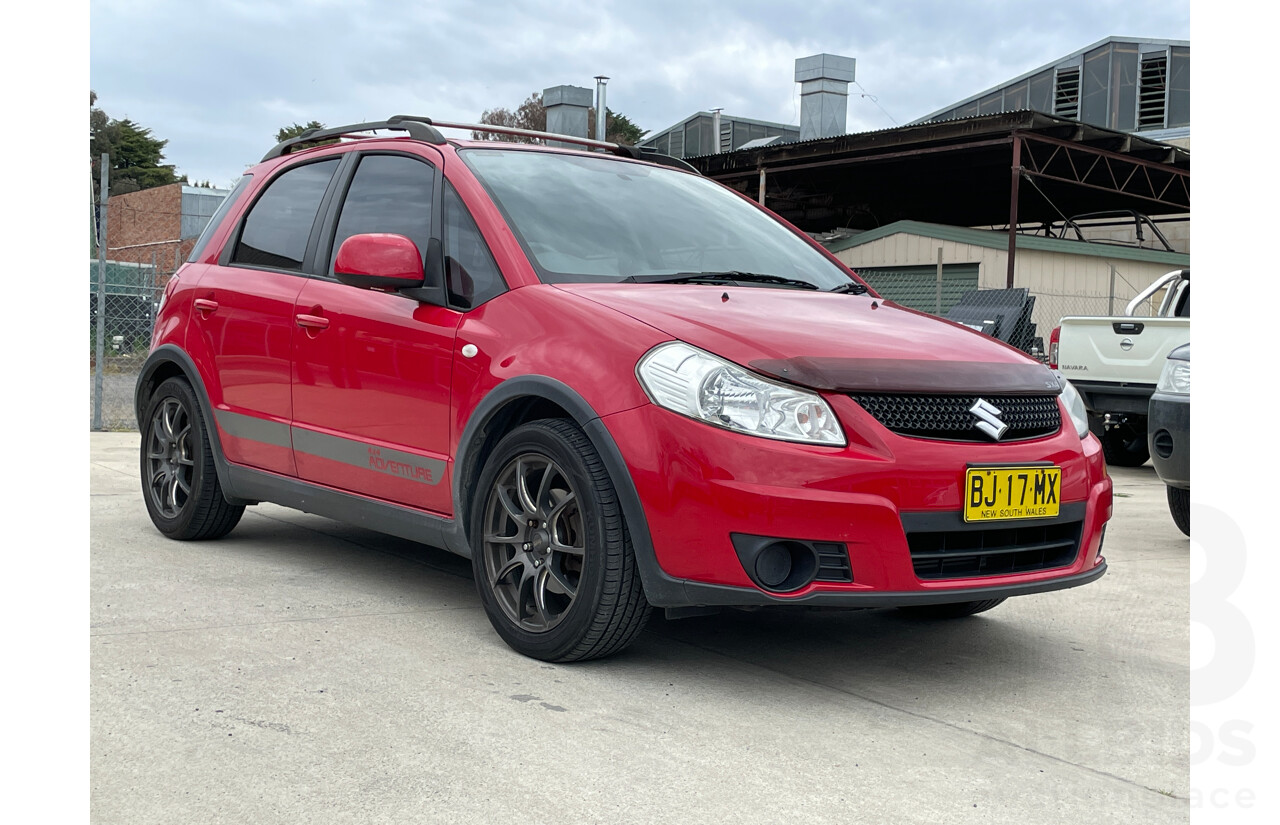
(1082, 202)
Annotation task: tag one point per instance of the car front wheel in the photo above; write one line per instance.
(550, 551)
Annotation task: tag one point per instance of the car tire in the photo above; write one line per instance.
(552, 558)
(1124, 445)
(1180, 508)
(954, 610)
(179, 480)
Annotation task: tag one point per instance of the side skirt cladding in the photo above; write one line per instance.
(378, 516)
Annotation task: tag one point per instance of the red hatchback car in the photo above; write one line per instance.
(612, 383)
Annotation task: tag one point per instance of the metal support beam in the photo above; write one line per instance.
(100, 331)
(779, 164)
(1016, 178)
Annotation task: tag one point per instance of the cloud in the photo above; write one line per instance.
(217, 79)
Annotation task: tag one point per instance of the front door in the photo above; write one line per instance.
(371, 377)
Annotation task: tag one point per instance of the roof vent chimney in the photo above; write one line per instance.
(824, 94)
(567, 108)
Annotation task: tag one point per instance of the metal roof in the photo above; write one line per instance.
(649, 138)
(957, 172)
(1000, 240)
(1145, 41)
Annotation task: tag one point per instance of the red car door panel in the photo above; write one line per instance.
(371, 369)
(242, 309)
(371, 394)
(245, 318)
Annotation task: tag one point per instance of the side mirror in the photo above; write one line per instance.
(379, 261)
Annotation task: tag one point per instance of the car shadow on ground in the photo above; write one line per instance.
(814, 644)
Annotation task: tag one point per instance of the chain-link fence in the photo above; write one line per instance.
(138, 241)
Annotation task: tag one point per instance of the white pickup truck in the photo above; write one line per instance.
(1115, 363)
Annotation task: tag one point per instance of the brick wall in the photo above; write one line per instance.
(145, 227)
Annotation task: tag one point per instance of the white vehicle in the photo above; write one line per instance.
(1115, 363)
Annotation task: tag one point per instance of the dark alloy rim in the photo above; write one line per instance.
(534, 542)
(170, 466)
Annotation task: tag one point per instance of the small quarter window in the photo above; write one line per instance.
(470, 271)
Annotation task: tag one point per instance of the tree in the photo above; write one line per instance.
(136, 156)
(617, 128)
(533, 115)
(296, 130)
(530, 115)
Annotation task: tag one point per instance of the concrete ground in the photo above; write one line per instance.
(300, 670)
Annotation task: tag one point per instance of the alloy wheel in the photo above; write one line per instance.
(534, 543)
(170, 461)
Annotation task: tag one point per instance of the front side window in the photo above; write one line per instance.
(389, 193)
(276, 232)
(601, 219)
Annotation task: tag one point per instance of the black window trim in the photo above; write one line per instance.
(308, 258)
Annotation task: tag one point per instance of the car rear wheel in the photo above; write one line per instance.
(955, 610)
(1180, 508)
(179, 480)
(550, 551)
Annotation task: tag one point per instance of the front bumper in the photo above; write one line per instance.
(698, 485)
(1169, 438)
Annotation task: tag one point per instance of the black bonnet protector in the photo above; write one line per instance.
(900, 375)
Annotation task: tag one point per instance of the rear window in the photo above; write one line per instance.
(279, 225)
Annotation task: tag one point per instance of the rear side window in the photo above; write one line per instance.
(389, 193)
(470, 271)
(276, 232)
(221, 212)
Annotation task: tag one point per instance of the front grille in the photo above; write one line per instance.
(961, 553)
(947, 417)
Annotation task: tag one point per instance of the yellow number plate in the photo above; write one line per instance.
(1004, 493)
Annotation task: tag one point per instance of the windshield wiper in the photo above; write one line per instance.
(729, 277)
(852, 288)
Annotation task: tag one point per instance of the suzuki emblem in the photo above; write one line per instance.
(988, 419)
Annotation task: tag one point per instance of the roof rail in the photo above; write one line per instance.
(418, 129)
(632, 152)
(425, 129)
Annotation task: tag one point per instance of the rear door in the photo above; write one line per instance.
(243, 314)
(371, 374)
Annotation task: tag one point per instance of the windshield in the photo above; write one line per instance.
(588, 219)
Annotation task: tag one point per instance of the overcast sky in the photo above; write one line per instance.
(218, 78)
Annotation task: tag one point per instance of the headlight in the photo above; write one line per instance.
(1075, 406)
(1175, 377)
(687, 380)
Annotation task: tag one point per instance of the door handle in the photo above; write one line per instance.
(312, 322)
(205, 306)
